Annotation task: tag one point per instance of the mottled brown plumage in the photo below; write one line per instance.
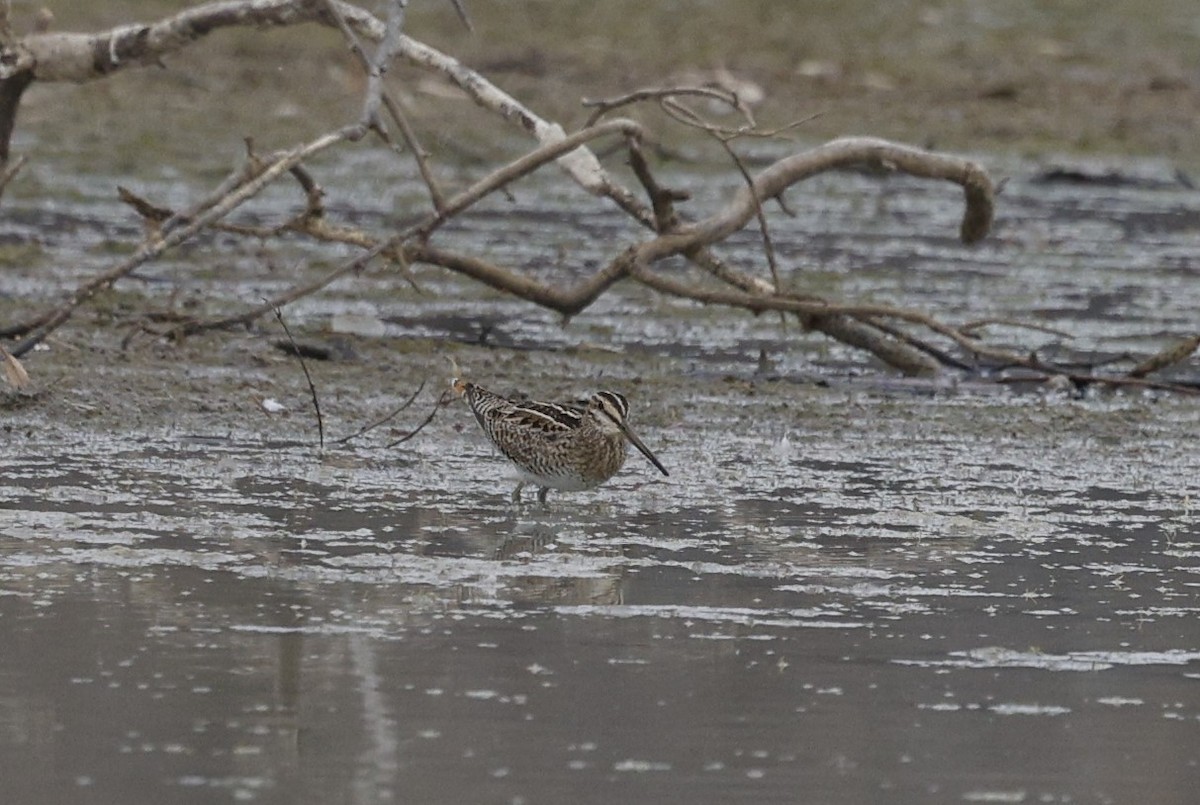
(569, 446)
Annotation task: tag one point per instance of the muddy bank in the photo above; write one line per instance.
(859, 592)
(851, 585)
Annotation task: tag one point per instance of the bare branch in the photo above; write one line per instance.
(1170, 356)
(1085, 380)
(580, 164)
(971, 326)
(81, 57)
(768, 245)
(152, 248)
(567, 302)
(379, 64)
(312, 389)
(845, 152)
(662, 200)
(11, 172)
(376, 68)
(606, 105)
(461, 10)
(549, 152)
(62, 56)
(348, 267)
(11, 91)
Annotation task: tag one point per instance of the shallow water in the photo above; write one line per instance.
(858, 590)
(873, 610)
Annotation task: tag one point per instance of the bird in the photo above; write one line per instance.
(565, 446)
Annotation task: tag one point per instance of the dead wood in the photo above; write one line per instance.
(44, 324)
(913, 341)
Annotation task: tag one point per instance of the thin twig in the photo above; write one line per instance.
(153, 248)
(1176, 353)
(382, 420)
(943, 357)
(518, 168)
(379, 65)
(971, 326)
(461, 10)
(290, 295)
(445, 398)
(311, 387)
(662, 199)
(11, 172)
(384, 52)
(1083, 380)
(605, 105)
(768, 244)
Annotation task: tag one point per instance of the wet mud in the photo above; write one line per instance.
(853, 587)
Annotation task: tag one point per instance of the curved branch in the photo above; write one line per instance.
(841, 153)
(567, 302)
(549, 152)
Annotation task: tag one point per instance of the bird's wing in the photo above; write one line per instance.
(546, 417)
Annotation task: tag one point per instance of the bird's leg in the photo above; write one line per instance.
(542, 495)
(516, 495)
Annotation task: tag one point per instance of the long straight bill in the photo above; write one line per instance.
(644, 450)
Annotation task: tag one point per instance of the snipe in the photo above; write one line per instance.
(567, 446)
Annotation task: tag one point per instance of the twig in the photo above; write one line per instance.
(662, 200)
(943, 357)
(383, 420)
(375, 66)
(445, 398)
(1170, 356)
(375, 69)
(567, 303)
(971, 326)
(605, 105)
(668, 99)
(379, 64)
(151, 249)
(518, 168)
(768, 244)
(311, 388)
(11, 172)
(461, 10)
(1083, 380)
(290, 295)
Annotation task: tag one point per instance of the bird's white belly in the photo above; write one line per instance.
(566, 482)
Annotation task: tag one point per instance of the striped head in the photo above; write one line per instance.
(610, 411)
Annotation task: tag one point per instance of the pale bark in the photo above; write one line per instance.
(83, 57)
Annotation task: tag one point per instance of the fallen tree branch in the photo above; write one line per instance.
(556, 149)
(849, 323)
(885, 331)
(1082, 381)
(1176, 353)
(154, 247)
